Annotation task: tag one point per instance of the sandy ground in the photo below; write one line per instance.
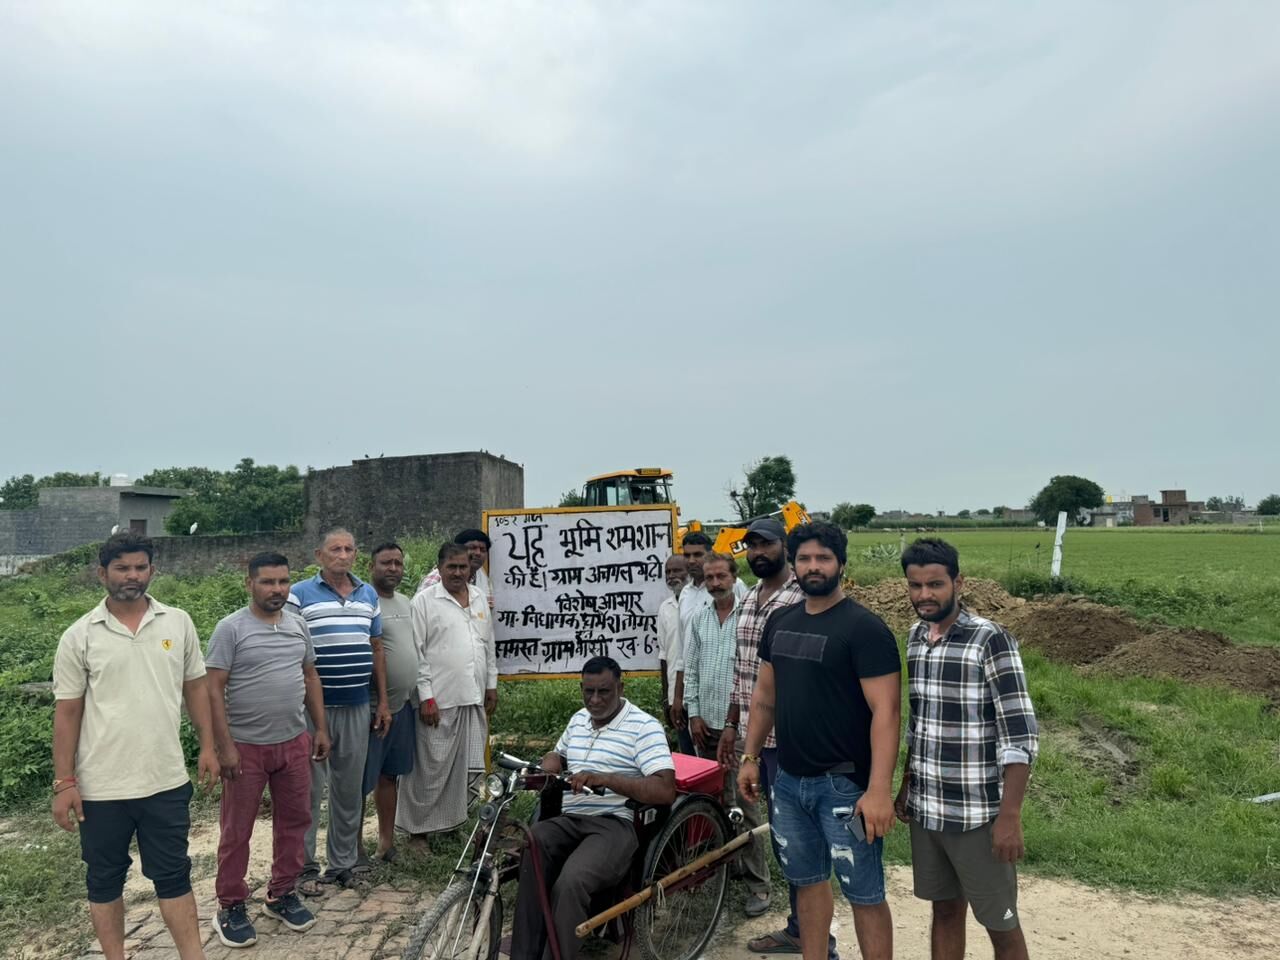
(1068, 920)
(1062, 919)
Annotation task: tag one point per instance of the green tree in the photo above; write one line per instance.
(248, 499)
(998, 512)
(848, 516)
(200, 479)
(21, 493)
(1227, 503)
(1066, 492)
(572, 498)
(964, 514)
(770, 482)
(1269, 506)
(983, 512)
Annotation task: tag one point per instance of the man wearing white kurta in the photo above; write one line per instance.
(457, 689)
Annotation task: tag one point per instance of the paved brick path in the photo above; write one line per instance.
(351, 924)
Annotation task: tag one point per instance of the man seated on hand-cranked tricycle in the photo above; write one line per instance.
(611, 744)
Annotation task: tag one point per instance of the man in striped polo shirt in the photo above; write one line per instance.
(609, 743)
(345, 622)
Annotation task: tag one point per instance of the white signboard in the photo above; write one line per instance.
(574, 583)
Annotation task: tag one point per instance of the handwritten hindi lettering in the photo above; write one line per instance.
(575, 584)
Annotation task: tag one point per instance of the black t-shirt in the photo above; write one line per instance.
(821, 717)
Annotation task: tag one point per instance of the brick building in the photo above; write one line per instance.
(1174, 509)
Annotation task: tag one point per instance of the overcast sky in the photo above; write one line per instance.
(935, 253)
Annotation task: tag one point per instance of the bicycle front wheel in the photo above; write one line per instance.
(447, 930)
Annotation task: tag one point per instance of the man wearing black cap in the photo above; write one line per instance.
(477, 543)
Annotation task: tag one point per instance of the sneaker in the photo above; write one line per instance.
(289, 910)
(233, 928)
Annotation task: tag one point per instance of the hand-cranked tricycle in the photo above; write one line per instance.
(668, 905)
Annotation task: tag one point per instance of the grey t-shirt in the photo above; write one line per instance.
(264, 674)
(399, 649)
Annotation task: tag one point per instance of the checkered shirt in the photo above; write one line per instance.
(970, 716)
(708, 665)
(752, 615)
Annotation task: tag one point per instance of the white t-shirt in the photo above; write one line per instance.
(632, 743)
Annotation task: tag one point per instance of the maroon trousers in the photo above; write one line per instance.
(286, 768)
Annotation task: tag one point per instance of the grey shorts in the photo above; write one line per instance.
(955, 866)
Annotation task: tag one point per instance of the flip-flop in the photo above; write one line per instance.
(755, 906)
(779, 941)
(309, 885)
(390, 856)
(346, 879)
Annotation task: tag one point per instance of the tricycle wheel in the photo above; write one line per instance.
(678, 924)
(446, 929)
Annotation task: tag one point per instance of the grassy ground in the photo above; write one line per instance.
(1223, 579)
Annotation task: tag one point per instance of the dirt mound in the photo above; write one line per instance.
(1109, 641)
(1073, 630)
(1105, 640)
(888, 600)
(1198, 656)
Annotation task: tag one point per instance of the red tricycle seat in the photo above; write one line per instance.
(698, 775)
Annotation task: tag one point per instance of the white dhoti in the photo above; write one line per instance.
(434, 796)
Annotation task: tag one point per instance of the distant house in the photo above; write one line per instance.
(67, 517)
(1174, 509)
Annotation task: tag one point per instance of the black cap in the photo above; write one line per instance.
(766, 527)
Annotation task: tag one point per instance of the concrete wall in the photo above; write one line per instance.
(68, 517)
(65, 518)
(399, 496)
(11, 562)
(185, 556)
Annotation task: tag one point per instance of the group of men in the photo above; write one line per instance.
(798, 688)
(330, 684)
(327, 685)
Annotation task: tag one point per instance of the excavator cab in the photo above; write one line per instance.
(625, 488)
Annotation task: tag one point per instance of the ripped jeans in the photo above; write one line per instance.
(811, 839)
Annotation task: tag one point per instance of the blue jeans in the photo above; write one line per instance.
(813, 839)
(768, 776)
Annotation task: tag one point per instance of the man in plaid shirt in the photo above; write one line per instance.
(971, 740)
(709, 653)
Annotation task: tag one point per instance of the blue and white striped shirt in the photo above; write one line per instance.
(340, 632)
(632, 744)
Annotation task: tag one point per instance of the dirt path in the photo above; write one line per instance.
(1068, 920)
(1064, 921)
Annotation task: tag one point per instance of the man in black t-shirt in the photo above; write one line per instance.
(830, 678)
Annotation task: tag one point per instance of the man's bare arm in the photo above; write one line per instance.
(656, 789)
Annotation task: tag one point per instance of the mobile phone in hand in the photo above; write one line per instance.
(853, 822)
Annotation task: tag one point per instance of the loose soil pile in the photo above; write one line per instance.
(1102, 639)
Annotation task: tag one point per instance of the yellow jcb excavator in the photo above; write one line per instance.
(644, 485)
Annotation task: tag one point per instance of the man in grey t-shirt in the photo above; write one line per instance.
(262, 675)
(392, 756)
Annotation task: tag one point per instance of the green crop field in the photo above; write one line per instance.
(1223, 579)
